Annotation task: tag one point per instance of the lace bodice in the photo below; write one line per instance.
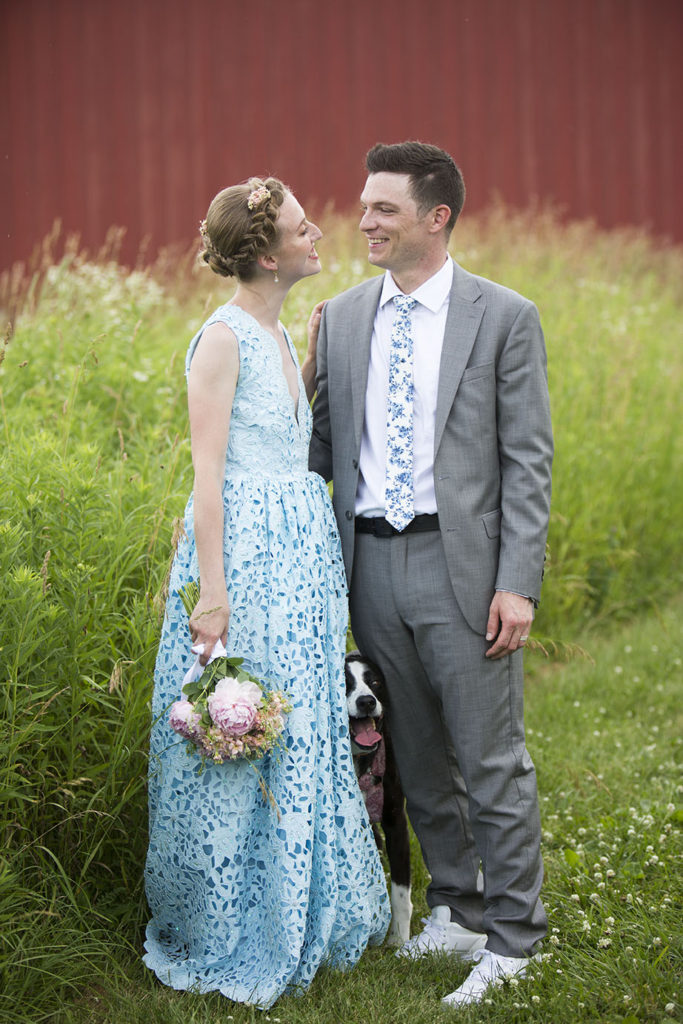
(265, 434)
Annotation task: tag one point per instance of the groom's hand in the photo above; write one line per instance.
(509, 623)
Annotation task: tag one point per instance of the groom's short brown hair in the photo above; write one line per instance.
(434, 176)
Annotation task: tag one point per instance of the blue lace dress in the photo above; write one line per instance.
(246, 899)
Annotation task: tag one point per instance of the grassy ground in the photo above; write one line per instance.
(605, 735)
(94, 459)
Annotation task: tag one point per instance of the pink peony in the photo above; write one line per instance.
(233, 705)
(183, 718)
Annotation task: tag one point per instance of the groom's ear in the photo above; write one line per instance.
(439, 217)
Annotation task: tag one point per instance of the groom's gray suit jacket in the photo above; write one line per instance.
(493, 442)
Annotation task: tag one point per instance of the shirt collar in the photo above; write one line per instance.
(432, 294)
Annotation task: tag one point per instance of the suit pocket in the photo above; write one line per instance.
(477, 372)
(491, 521)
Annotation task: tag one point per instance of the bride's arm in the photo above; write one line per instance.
(211, 389)
(308, 365)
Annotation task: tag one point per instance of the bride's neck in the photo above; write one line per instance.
(263, 301)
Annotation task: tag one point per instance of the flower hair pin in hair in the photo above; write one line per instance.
(258, 196)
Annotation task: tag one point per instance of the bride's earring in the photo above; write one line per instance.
(275, 277)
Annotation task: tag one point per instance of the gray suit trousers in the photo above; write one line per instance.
(456, 720)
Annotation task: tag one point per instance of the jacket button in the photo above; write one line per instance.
(349, 515)
(355, 463)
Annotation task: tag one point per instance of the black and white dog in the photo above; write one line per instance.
(373, 758)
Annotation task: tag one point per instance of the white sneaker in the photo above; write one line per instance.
(491, 968)
(441, 935)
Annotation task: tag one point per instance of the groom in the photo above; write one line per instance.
(432, 419)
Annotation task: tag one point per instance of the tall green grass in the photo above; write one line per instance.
(95, 467)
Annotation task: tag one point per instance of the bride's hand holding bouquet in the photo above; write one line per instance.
(209, 617)
(224, 712)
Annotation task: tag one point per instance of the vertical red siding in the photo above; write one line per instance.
(134, 113)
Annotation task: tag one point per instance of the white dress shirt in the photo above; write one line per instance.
(429, 323)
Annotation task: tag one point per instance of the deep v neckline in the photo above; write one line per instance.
(295, 402)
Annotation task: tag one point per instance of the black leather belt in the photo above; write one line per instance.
(379, 527)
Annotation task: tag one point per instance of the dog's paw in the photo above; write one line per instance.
(397, 935)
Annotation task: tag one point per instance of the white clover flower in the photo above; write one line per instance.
(671, 808)
(656, 941)
(575, 898)
(610, 873)
(581, 831)
(604, 942)
(535, 999)
(554, 941)
(618, 669)
(586, 925)
(594, 898)
(628, 949)
(609, 921)
(627, 649)
(670, 1008)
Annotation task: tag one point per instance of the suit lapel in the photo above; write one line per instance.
(359, 335)
(465, 310)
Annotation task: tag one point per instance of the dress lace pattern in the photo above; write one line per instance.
(248, 899)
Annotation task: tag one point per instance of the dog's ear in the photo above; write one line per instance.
(373, 668)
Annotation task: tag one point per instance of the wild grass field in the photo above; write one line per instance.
(95, 468)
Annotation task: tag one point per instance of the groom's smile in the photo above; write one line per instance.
(398, 233)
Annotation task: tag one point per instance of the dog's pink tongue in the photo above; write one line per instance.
(365, 734)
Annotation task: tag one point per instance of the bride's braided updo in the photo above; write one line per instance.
(240, 226)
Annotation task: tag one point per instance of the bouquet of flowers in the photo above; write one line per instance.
(226, 713)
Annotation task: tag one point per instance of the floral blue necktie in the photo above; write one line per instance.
(398, 492)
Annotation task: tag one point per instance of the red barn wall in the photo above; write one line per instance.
(136, 112)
